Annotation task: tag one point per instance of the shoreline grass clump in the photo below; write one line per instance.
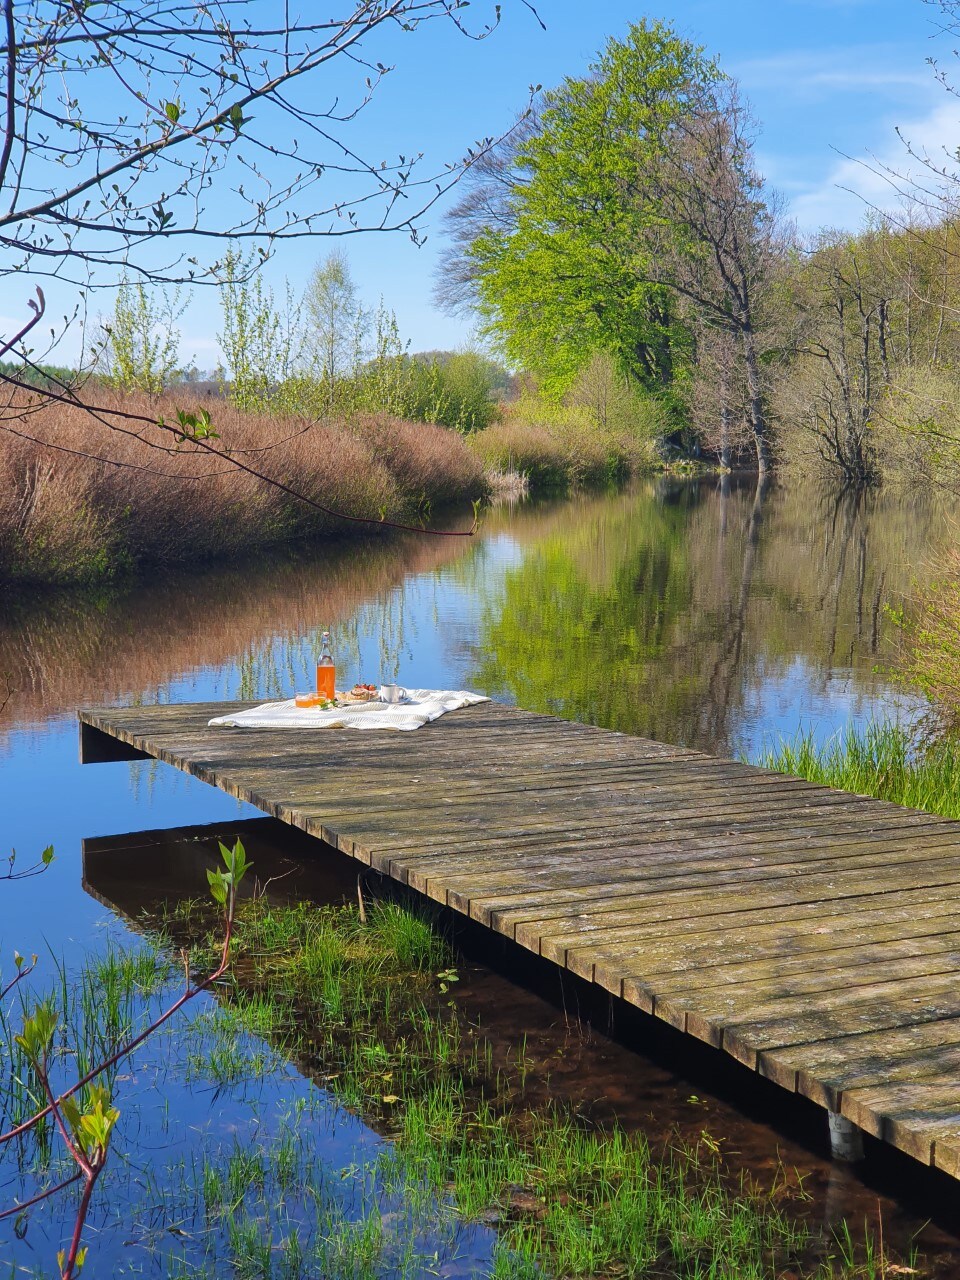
(104, 503)
(559, 449)
(599, 431)
(882, 760)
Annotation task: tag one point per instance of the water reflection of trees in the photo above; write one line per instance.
(664, 612)
(249, 629)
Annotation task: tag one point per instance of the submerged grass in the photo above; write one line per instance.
(365, 1006)
(473, 1174)
(882, 760)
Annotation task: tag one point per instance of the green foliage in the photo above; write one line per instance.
(194, 426)
(224, 883)
(451, 391)
(36, 1037)
(261, 340)
(469, 383)
(44, 376)
(563, 272)
(603, 430)
(871, 388)
(381, 384)
(91, 1123)
(142, 341)
(335, 327)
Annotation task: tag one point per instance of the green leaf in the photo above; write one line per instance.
(172, 111)
(219, 884)
(235, 862)
(37, 1035)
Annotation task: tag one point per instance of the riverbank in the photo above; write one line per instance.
(85, 498)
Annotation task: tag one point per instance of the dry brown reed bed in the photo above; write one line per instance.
(91, 500)
(57, 653)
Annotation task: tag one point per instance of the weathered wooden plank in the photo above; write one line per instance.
(918, 1116)
(742, 937)
(620, 880)
(813, 935)
(824, 1069)
(755, 841)
(799, 822)
(618, 926)
(882, 944)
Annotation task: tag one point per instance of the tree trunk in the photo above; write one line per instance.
(758, 419)
(725, 417)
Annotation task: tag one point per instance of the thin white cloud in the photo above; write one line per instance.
(822, 72)
(856, 184)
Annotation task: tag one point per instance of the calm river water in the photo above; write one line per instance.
(702, 613)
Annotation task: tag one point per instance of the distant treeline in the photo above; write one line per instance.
(322, 354)
(43, 376)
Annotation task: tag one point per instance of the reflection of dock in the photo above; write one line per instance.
(140, 873)
(812, 935)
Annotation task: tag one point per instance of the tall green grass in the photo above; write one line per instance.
(883, 760)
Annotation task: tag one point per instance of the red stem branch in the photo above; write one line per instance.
(84, 1208)
(191, 992)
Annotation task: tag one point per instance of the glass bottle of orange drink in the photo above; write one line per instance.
(326, 671)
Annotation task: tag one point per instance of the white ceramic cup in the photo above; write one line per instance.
(392, 693)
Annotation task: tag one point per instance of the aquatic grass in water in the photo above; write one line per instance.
(882, 760)
(566, 1198)
(471, 1180)
(98, 1009)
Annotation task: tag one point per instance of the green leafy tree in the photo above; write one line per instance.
(335, 327)
(382, 382)
(623, 216)
(261, 341)
(141, 346)
(551, 242)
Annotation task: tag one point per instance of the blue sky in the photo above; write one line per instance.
(830, 81)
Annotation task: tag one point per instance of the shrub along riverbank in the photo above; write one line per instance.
(81, 502)
(600, 433)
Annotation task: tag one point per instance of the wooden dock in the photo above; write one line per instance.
(811, 934)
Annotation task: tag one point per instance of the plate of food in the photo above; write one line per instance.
(359, 693)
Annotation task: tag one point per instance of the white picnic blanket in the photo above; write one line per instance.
(418, 708)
